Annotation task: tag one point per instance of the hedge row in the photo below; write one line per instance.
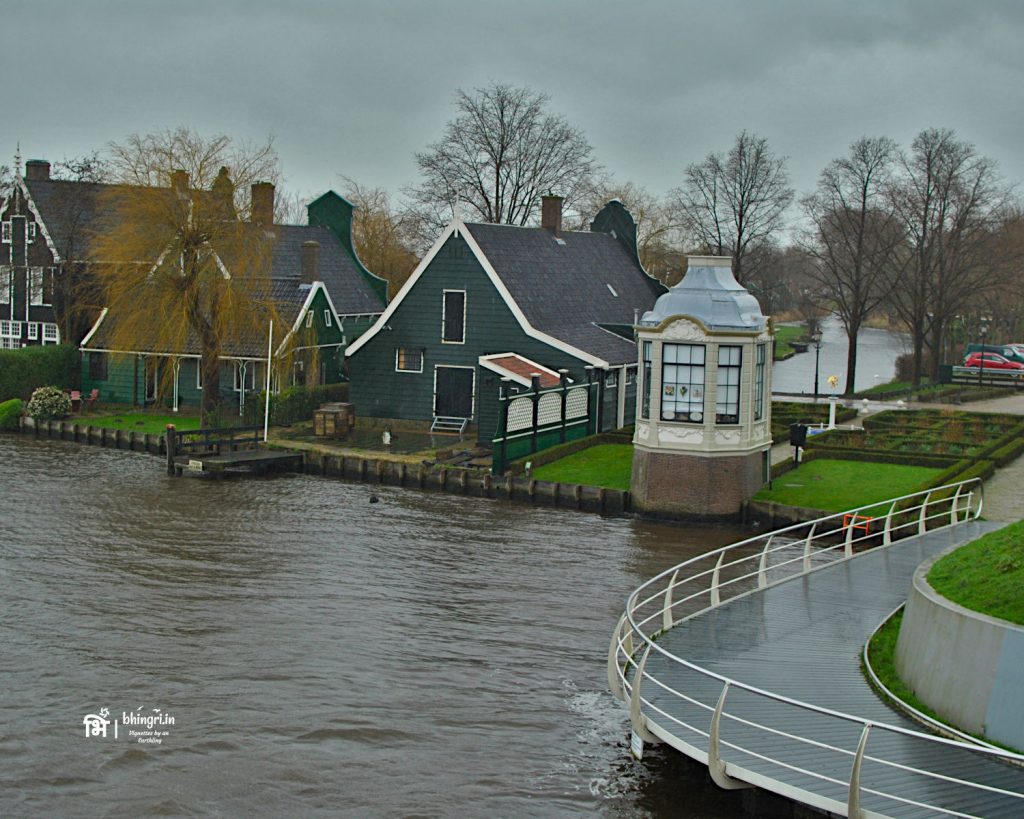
(884, 457)
(1008, 452)
(10, 412)
(293, 404)
(21, 371)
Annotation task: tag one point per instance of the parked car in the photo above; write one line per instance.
(992, 361)
(1008, 351)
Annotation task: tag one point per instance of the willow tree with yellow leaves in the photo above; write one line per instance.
(180, 260)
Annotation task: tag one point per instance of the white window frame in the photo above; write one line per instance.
(760, 365)
(31, 231)
(51, 334)
(472, 404)
(5, 232)
(35, 287)
(33, 331)
(670, 387)
(327, 318)
(398, 351)
(309, 319)
(730, 371)
(5, 284)
(444, 311)
(199, 373)
(250, 376)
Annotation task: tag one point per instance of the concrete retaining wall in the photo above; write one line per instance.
(967, 666)
(371, 470)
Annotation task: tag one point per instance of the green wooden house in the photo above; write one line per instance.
(490, 305)
(323, 293)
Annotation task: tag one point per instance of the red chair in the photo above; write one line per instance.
(76, 400)
(91, 398)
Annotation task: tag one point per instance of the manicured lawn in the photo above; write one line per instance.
(986, 575)
(608, 465)
(139, 421)
(835, 486)
(785, 334)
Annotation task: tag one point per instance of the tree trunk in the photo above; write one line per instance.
(852, 332)
(210, 364)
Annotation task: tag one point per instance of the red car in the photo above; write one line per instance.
(993, 361)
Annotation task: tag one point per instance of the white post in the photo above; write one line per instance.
(832, 413)
(270, 355)
(177, 368)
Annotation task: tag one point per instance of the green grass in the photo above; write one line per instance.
(835, 486)
(608, 465)
(139, 421)
(986, 575)
(784, 334)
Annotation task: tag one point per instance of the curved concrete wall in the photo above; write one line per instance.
(967, 666)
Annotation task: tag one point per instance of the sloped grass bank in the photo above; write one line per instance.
(143, 422)
(607, 465)
(987, 575)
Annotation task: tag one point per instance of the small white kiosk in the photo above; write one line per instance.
(703, 428)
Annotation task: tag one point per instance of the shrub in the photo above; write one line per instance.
(293, 404)
(21, 371)
(48, 403)
(10, 412)
(905, 367)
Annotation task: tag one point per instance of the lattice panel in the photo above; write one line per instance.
(549, 411)
(520, 414)
(576, 403)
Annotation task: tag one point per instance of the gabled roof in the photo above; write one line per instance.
(560, 289)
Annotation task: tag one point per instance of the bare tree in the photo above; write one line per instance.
(500, 154)
(174, 260)
(950, 201)
(855, 238)
(734, 202)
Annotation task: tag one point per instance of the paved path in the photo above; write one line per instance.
(802, 639)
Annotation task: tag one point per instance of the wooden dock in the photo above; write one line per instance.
(231, 450)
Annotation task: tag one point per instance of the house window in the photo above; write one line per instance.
(48, 275)
(33, 331)
(309, 319)
(727, 396)
(35, 284)
(249, 377)
(682, 382)
(408, 360)
(97, 366)
(327, 317)
(10, 335)
(645, 403)
(453, 317)
(51, 334)
(6, 230)
(5, 284)
(199, 373)
(31, 228)
(759, 383)
(299, 373)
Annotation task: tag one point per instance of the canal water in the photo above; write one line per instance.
(877, 351)
(286, 647)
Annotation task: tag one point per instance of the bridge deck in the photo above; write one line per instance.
(802, 639)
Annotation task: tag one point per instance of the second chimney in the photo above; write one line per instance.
(37, 169)
(551, 213)
(310, 262)
(263, 203)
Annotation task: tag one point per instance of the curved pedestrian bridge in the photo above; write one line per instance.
(747, 659)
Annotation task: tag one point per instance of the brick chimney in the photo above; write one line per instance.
(551, 213)
(179, 181)
(262, 203)
(37, 169)
(310, 262)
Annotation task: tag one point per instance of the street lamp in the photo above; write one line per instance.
(816, 341)
(984, 333)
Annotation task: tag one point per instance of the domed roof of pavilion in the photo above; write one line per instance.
(710, 294)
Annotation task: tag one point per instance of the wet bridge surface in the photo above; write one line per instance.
(802, 640)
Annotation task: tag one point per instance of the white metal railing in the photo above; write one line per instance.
(692, 723)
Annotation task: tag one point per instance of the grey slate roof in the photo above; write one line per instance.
(710, 293)
(563, 286)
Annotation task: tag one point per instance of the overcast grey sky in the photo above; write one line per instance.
(356, 88)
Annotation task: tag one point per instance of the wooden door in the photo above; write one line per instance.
(453, 392)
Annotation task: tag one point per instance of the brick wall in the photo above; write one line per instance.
(694, 486)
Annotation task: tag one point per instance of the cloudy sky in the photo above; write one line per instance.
(356, 88)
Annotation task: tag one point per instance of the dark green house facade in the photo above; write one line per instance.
(325, 299)
(491, 304)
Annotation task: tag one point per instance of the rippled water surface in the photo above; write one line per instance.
(426, 655)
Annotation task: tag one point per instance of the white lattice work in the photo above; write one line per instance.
(520, 414)
(576, 403)
(550, 409)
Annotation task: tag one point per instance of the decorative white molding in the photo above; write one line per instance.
(683, 330)
(643, 431)
(680, 435)
(727, 436)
